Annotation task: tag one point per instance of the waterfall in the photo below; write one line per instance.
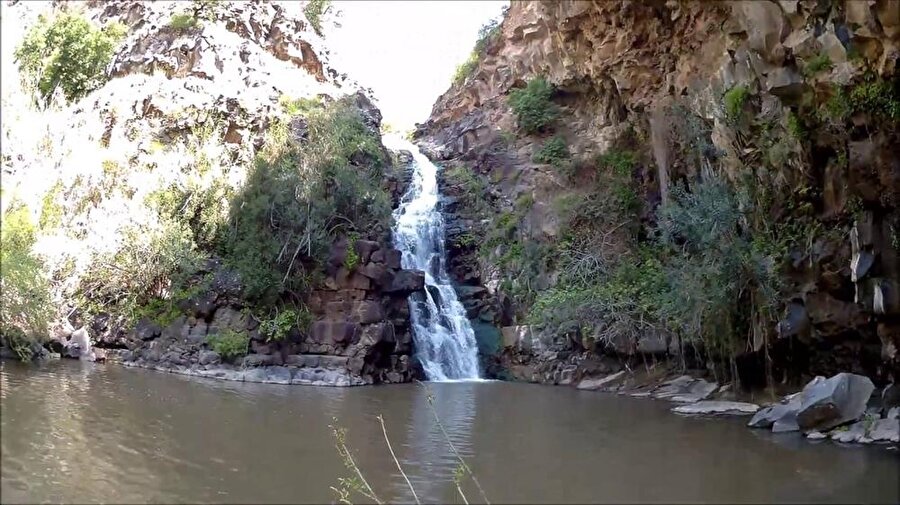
(445, 341)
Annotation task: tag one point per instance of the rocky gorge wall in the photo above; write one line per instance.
(793, 101)
(198, 101)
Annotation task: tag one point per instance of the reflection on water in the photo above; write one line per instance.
(80, 432)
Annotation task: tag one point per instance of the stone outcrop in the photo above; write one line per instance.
(360, 332)
(832, 402)
(661, 69)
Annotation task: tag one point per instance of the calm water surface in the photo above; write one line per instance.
(80, 432)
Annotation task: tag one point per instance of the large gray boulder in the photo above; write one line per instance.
(780, 417)
(833, 402)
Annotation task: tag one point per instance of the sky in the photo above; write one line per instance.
(406, 51)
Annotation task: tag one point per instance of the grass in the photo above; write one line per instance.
(735, 99)
(183, 22)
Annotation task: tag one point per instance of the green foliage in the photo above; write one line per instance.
(818, 64)
(615, 167)
(465, 68)
(735, 99)
(553, 152)
(795, 126)
(877, 97)
(486, 34)
(228, 343)
(25, 310)
(300, 106)
(183, 21)
(51, 210)
(352, 258)
(300, 196)
(148, 264)
(532, 106)
(314, 11)
(68, 52)
(465, 240)
(278, 327)
(695, 280)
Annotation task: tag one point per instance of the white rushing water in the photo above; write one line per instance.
(445, 341)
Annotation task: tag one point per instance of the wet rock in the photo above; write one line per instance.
(278, 375)
(208, 358)
(601, 382)
(406, 281)
(254, 360)
(784, 414)
(717, 407)
(816, 435)
(835, 401)
(885, 430)
(856, 432)
(890, 398)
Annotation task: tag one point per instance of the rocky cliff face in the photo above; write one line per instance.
(192, 96)
(795, 99)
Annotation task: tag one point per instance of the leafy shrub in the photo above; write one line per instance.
(147, 265)
(817, 64)
(486, 33)
(877, 97)
(301, 195)
(25, 310)
(314, 11)
(532, 106)
(183, 21)
(352, 258)
(795, 126)
(295, 106)
(68, 52)
(735, 99)
(228, 344)
(51, 210)
(553, 152)
(278, 327)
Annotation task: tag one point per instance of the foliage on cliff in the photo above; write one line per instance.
(68, 52)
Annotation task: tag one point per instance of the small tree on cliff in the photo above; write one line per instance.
(532, 106)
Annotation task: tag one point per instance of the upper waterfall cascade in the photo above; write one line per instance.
(445, 341)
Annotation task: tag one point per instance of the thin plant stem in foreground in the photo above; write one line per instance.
(465, 467)
(388, 441)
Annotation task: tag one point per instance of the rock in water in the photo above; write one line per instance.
(783, 415)
(717, 407)
(835, 401)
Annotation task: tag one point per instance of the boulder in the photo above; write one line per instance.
(717, 407)
(147, 330)
(856, 432)
(406, 281)
(783, 415)
(208, 358)
(885, 430)
(835, 401)
(890, 398)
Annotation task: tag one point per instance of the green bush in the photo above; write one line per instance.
(486, 34)
(878, 97)
(229, 344)
(314, 11)
(278, 327)
(735, 99)
(183, 21)
(300, 196)
(68, 52)
(25, 309)
(818, 64)
(553, 152)
(466, 68)
(532, 106)
(150, 262)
